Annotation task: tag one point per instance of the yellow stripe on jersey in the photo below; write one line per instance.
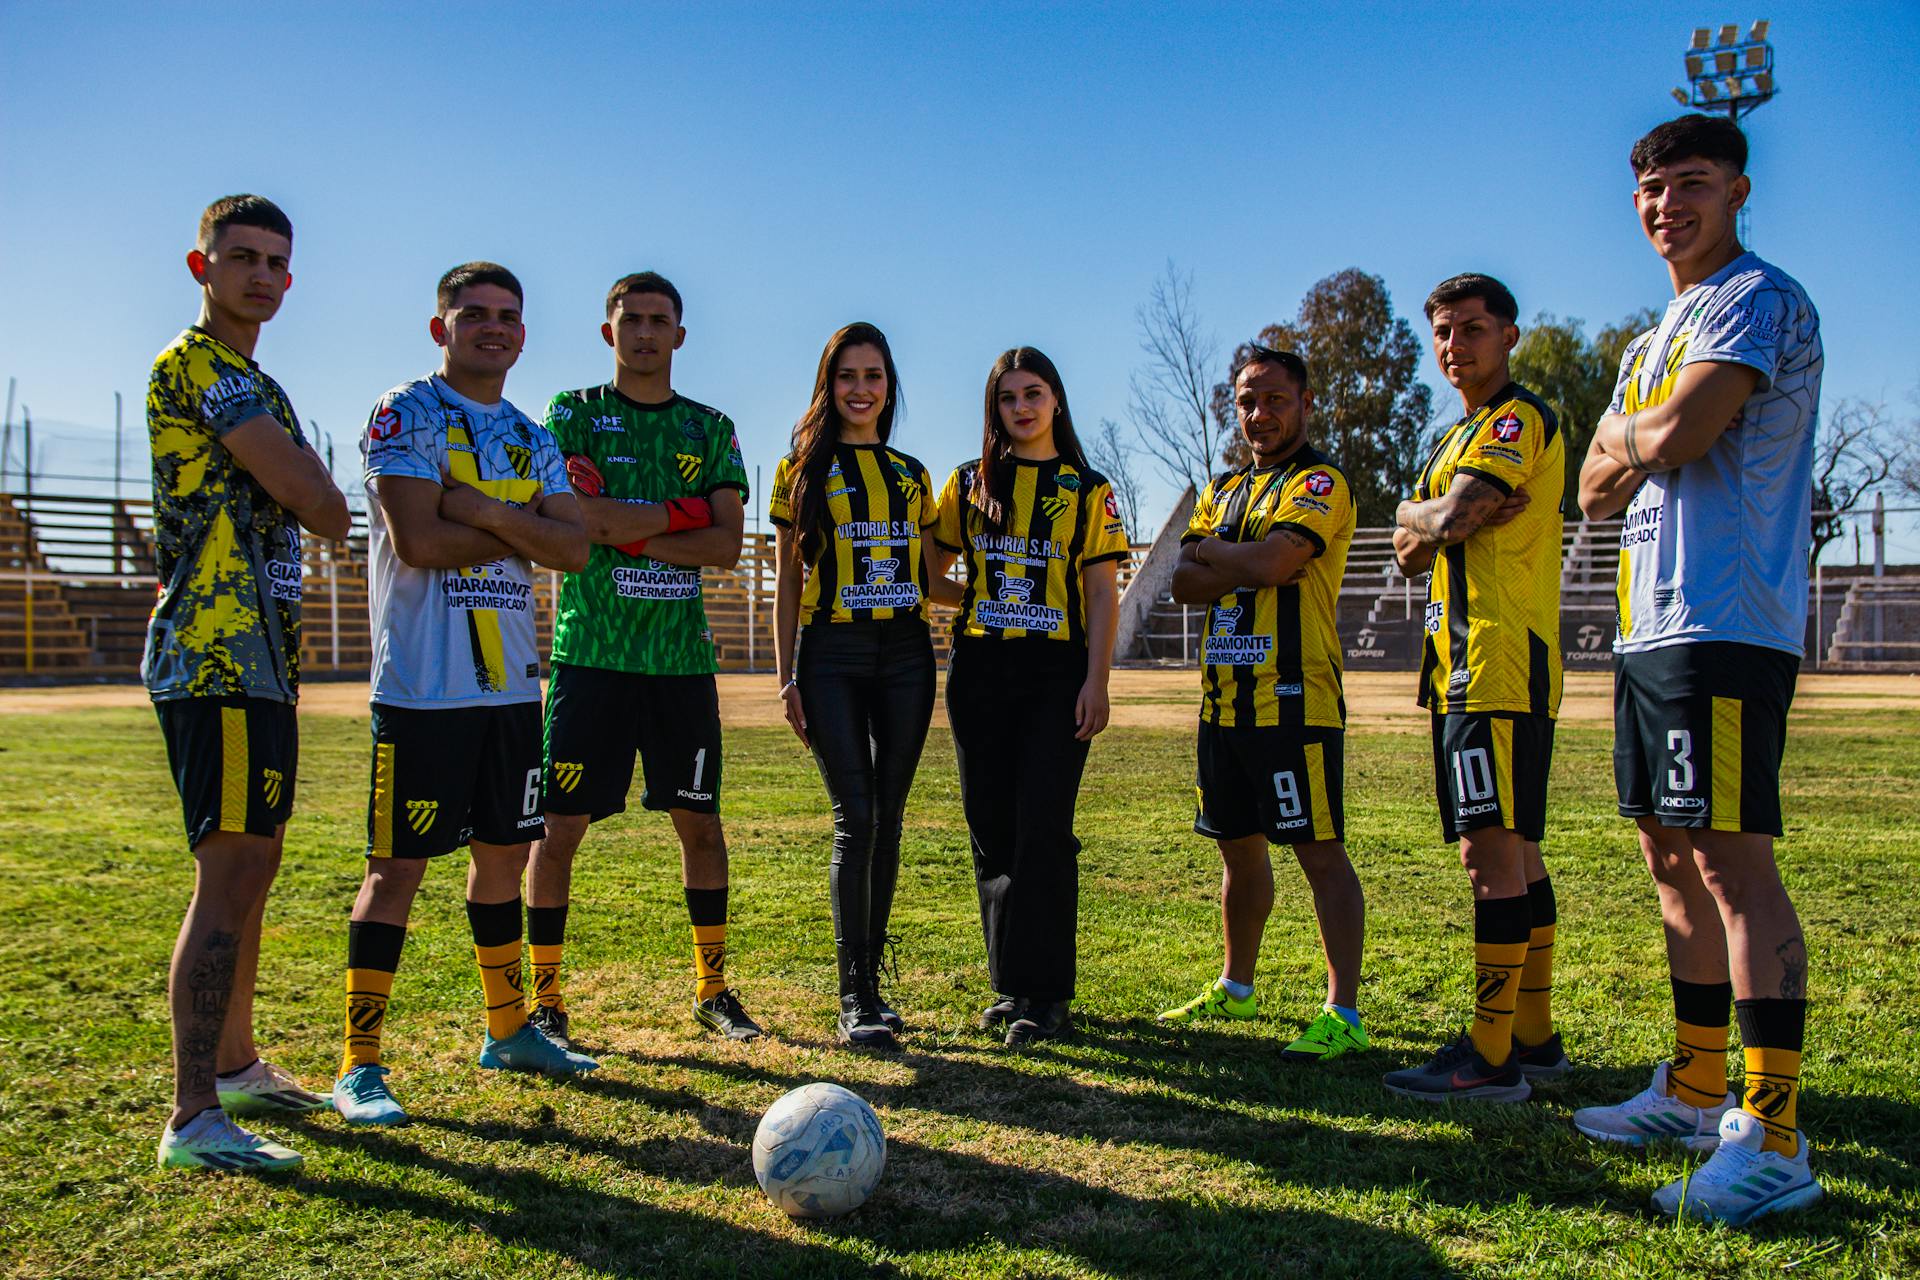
(383, 791)
(1726, 764)
(1316, 753)
(1623, 596)
(233, 769)
(1503, 769)
(483, 625)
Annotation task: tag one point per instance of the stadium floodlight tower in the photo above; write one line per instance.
(1726, 73)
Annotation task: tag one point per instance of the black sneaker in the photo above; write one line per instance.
(723, 1014)
(860, 1023)
(552, 1022)
(1458, 1071)
(1544, 1061)
(1002, 1012)
(1048, 1020)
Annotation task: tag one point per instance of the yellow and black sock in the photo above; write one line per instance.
(1697, 1072)
(546, 934)
(373, 957)
(496, 945)
(1500, 929)
(1533, 1014)
(1771, 1032)
(707, 908)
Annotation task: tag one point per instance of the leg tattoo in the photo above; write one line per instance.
(1793, 962)
(209, 986)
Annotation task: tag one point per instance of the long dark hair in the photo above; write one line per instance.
(819, 430)
(993, 479)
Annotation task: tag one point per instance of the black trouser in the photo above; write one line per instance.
(1011, 706)
(867, 691)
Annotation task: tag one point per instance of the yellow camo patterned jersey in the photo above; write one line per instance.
(879, 504)
(228, 618)
(1270, 655)
(1024, 580)
(1492, 620)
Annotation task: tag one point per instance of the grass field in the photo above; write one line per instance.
(1133, 1150)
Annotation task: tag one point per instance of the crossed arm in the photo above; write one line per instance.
(445, 526)
(1211, 567)
(292, 474)
(1627, 448)
(1470, 504)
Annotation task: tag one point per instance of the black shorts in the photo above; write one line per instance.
(1698, 733)
(233, 761)
(598, 720)
(444, 776)
(1285, 783)
(1490, 770)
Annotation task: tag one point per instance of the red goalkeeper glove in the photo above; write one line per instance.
(584, 476)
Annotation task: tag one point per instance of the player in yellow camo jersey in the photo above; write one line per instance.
(1485, 517)
(855, 532)
(1027, 682)
(1266, 550)
(233, 481)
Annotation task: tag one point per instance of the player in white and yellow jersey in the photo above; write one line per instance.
(1485, 517)
(1265, 551)
(1709, 446)
(465, 494)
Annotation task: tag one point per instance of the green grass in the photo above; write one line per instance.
(1134, 1150)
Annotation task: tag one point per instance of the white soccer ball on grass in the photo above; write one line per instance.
(819, 1151)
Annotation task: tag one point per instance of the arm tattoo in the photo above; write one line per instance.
(1793, 968)
(1456, 515)
(1634, 459)
(209, 986)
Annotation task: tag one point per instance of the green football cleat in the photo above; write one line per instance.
(1327, 1036)
(1214, 1002)
(211, 1140)
(265, 1087)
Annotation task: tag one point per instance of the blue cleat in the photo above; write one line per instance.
(361, 1097)
(528, 1049)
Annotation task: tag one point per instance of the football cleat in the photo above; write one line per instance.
(264, 1087)
(1653, 1116)
(1327, 1036)
(1214, 1002)
(528, 1049)
(1457, 1070)
(1544, 1061)
(724, 1014)
(211, 1140)
(553, 1023)
(1742, 1180)
(361, 1097)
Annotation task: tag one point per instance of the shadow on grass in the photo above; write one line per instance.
(931, 1201)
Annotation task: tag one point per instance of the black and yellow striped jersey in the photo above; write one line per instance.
(1493, 607)
(880, 502)
(1024, 580)
(1271, 655)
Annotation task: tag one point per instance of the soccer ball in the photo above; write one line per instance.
(819, 1151)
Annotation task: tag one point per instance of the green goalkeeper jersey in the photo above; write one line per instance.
(633, 613)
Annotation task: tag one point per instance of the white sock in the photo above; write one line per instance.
(1238, 990)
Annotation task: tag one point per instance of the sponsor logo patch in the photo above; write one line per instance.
(385, 424)
(1507, 427)
(1113, 507)
(1319, 483)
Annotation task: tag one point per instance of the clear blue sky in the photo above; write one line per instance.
(967, 177)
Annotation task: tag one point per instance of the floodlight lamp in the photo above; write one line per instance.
(1700, 37)
(1696, 66)
(1729, 34)
(1725, 61)
(1759, 31)
(1680, 96)
(1764, 82)
(1709, 90)
(1756, 57)
(1734, 87)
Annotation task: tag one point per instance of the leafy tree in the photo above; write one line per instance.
(1575, 375)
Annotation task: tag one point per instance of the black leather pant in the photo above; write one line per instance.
(1011, 706)
(867, 691)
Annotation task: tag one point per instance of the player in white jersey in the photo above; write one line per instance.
(464, 495)
(1708, 446)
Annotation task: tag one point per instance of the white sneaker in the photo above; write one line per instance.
(212, 1141)
(1652, 1116)
(1743, 1180)
(265, 1087)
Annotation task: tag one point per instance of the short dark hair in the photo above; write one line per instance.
(1471, 284)
(242, 211)
(471, 273)
(1707, 137)
(1252, 353)
(645, 282)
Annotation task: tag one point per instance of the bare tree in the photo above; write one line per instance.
(1171, 392)
(1112, 456)
(1854, 454)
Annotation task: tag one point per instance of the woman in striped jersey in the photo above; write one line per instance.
(851, 643)
(1027, 684)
